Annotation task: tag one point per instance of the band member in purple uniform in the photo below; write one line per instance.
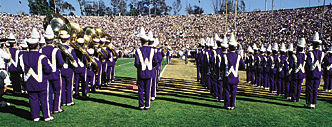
(110, 60)
(282, 64)
(80, 71)
(67, 72)
(12, 66)
(152, 45)
(327, 65)
(250, 65)
(198, 59)
(222, 51)
(256, 61)
(35, 68)
(232, 63)
(262, 65)
(299, 70)
(274, 68)
(268, 67)
(56, 62)
(289, 72)
(314, 71)
(145, 61)
(207, 64)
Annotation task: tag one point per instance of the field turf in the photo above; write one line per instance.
(181, 101)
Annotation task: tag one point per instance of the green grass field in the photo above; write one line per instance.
(180, 102)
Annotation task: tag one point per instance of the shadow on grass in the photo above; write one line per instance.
(97, 100)
(16, 111)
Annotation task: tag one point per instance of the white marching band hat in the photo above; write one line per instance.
(232, 40)
(49, 34)
(142, 34)
(250, 50)
(35, 36)
(80, 40)
(310, 48)
(290, 47)
(275, 46)
(156, 42)
(103, 39)
(301, 43)
(283, 47)
(216, 38)
(316, 38)
(255, 46)
(150, 36)
(201, 42)
(24, 44)
(42, 40)
(269, 48)
(224, 42)
(12, 38)
(64, 34)
(263, 49)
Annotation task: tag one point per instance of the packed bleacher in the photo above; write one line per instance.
(178, 31)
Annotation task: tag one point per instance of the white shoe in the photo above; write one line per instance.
(36, 119)
(4, 104)
(49, 119)
(329, 91)
(153, 98)
(289, 98)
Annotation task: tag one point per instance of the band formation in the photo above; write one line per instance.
(52, 66)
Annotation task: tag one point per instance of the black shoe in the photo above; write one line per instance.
(76, 96)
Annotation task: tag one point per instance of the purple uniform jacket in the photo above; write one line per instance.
(55, 57)
(282, 64)
(110, 61)
(207, 60)
(256, 60)
(221, 65)
(14, 60)
(145, 61)
(274, 64)
(161, 55)
(327, 64)
(268, 64)
(198, 57)
(35, 67)
(314, 62)
(67, 71)
(262, 63)
(234, 63)
(299, 65)
(289, 63)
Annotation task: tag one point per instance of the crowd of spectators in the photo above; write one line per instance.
(181, 30)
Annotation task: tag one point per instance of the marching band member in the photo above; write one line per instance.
(282, 61)
(90, 74)
(198, 59)
(262, 64)
(67, 72)
(15, 77)
(100, 59)
(256, 61)
(54, 78)
(103, 62)
(187, 52)
(35, 68)
(268, 67)
(153, 74)
(327, 65)
(250, 65)
(80, 71)
(289, 72)
(113, 64)
(169, 54)
(110, 60)
(299, 70)
(314, 73)
(5, 55)
(161, 56)
(145, 61)
(274, 68)
(222, 51)
(232, 63)
(213, 66)
(207, 65)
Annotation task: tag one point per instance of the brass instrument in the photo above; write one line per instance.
(115, 54)
(58, 22)
(78, 31)
(92, 33)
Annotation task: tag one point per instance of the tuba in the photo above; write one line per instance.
(58, 22)
(76, 32)
(101, 33)
(91, 33)
(115, 54)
